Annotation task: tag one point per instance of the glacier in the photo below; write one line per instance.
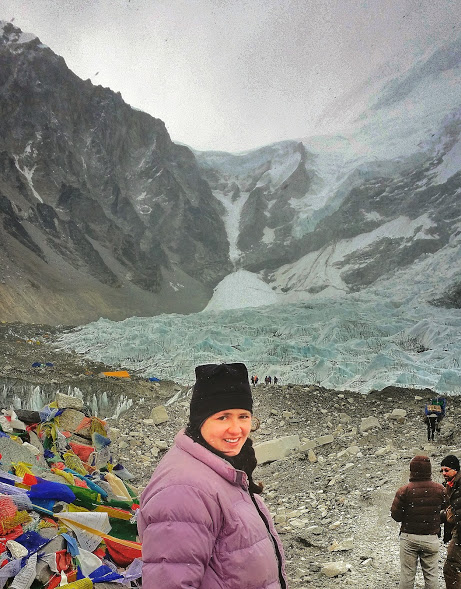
(301, 319)
(386, 335)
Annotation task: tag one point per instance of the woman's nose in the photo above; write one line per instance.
(234, 426)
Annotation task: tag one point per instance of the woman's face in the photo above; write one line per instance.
(227, 430)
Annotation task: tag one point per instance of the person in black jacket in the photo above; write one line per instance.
(417, 505)
(452, 518)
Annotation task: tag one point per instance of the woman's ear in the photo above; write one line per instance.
(255, 424)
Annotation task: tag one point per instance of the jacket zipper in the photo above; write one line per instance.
(283, 584)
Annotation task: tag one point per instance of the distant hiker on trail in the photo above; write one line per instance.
(253, 380)
(269, 379)
(417, 506)
(201, 520)
(256, 379)
(431, 421)
(452, 519)
(275, 380)
(433, 415)
(443, 404)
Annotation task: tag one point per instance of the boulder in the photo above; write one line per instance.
(28, 416)
(323, 440)
(276, 449)
(68, 401)
(312, 456)
(368, 423)
(383, 451)
(398, 415)
(159, 415)
(346, 544)
(334, 569)
(70, 419)
(306, 446)
(12, 451)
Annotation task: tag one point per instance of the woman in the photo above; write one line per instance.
(201, 521)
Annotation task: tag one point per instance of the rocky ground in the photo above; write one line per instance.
(330, 497)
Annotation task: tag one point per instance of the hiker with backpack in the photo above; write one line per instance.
(433, 415)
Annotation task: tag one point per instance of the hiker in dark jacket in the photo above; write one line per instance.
(417, 506)
(452, 519)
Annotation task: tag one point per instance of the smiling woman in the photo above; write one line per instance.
(227, 431)
(201, 521)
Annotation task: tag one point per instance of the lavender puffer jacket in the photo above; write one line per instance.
(200, 528)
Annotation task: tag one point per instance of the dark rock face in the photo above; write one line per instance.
(97, 192)
(451, 297)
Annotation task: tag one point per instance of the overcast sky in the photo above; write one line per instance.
(233, 74)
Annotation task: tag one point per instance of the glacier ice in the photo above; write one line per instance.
(360, 342)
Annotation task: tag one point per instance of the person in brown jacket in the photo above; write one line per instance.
(452, 518)
(417, 506)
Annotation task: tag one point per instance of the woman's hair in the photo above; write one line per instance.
(245, 459)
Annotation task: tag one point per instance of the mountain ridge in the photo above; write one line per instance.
(102, 214)
(105, 188)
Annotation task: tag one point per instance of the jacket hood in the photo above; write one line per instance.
(420, 469)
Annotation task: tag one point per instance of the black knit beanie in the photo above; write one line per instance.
(219, 387)
(420, 468)
(451, 461)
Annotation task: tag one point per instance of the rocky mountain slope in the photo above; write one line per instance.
(330, 495)
(101, 213)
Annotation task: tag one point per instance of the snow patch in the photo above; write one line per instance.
(176, 286)
(232, 220)
(268, 235)
(451, 164)
(239, 290)
(28, 173)
(371, 216)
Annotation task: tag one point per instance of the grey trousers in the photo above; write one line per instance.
(414, 547)
(452, 568)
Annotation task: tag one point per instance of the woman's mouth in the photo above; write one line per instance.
(232, 441)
